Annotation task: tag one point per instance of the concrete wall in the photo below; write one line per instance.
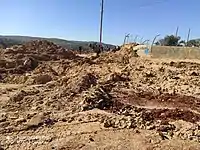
(175, 52)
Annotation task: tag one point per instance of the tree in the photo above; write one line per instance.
(4, 42)
(161, 42)
(195, 43)
(169, 40)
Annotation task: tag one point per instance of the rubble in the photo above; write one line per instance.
(119, 122)
(49, 91)
(96, 98)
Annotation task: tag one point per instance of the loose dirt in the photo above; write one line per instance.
(52, 98)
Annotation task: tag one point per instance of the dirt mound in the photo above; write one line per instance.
(75, 85)
(27, 57)
(123, 55)
(40, 50)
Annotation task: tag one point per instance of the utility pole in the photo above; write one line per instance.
(188, 37)
(177, 29)
(101, 22)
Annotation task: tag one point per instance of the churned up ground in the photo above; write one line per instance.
(52, 98)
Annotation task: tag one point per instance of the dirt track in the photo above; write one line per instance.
(115, 101)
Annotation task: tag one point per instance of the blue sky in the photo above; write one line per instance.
(79, 19)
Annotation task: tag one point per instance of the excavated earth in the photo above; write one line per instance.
(115, 101)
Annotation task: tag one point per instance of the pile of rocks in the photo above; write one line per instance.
(121, 122)
(96, 97)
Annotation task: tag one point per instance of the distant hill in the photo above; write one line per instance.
(8, 41)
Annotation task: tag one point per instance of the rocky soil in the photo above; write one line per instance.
(52, 98)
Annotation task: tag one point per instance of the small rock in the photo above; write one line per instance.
(18, 96)
(197, 132)
(31, 114)
(85, 107)
(149, 74)
(43, 79)
(107, 123)
(176, 78)
(163, 136)
(162, 69)
(117, 122)
(137, 131)
(148, 123)
(151, 127)
(64, 120)
(81, 119)
(69, 133)
(166, 128)
(129, 125)
(71, 119)
(171, 63)
(91, 139)
(13, 117)
(34, 108)
(122, 123)
(2, 119)
(49, 121)
(171, 133)
(36, 120)
(194, 74)
(19, 120)
(4, 124)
